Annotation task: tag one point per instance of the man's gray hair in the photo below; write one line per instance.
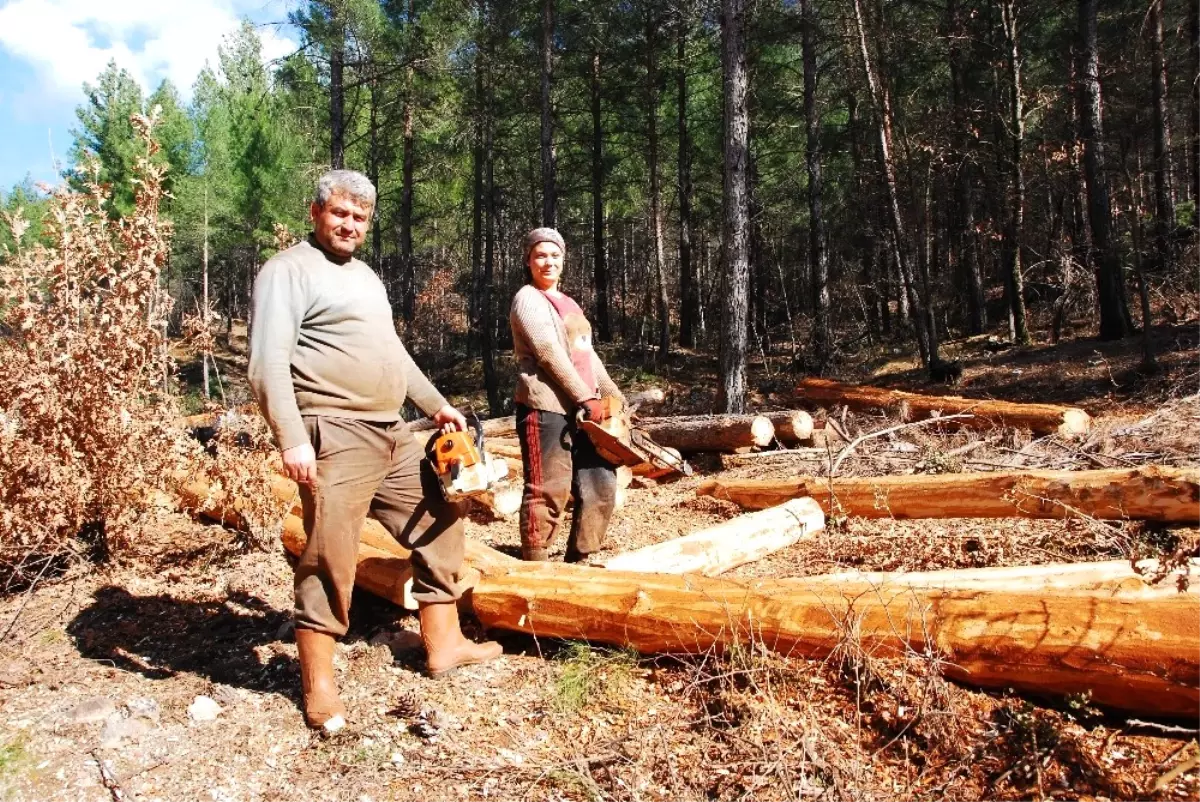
(350, 183)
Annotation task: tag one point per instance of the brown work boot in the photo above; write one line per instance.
(445, 647)
(323, 709)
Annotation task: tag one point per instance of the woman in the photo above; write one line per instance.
(560, 377)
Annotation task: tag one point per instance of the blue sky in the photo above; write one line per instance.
(48, 48)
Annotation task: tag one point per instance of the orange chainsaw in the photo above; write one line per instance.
(618, 441)
(462, 467)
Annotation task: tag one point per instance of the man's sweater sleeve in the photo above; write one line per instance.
(532, 318)
(420, 390)
(279, 304)
(608, 387)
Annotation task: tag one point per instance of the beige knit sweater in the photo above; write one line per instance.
(547, 379)
(324, 343)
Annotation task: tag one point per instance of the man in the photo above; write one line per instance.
(330, 375)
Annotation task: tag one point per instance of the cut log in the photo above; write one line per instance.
(791, 426)
(710, 432)
(213, 420)
(1150, 493)
(721, 548)
(510, 449)
(492, 427)
(646, 399)
(1040, 418)
(1138, 654)
(502, 501)
(1116, 577)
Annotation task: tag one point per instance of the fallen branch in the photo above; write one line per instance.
(845, 452)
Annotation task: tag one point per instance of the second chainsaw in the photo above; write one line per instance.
(621, 443)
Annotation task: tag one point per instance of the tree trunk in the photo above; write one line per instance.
(865, 238)
(689, 296)
(205, 355)
(656, 216)
(1164, 208)
(1039, 418)
(1115, 322)
(1193, 78)
(963, 217)
(408, 268)
(736, 208)
(549, 200)
(599, 245)
(1151, 493)
(822, 336)
(491, 381)
(882, 106)
(337, 91)
(721, 548)
(374, 164)
(1014, 233)
(710, 432)
(478, 166)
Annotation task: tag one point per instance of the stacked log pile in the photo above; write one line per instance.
(1099, 628)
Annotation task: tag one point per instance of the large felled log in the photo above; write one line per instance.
(1139, 654)
(721, 548)
(1040, 418)
(710, 432)
(1150, 493)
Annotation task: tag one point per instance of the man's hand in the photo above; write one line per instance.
(449, 419)
(300, 463)
(593, 410)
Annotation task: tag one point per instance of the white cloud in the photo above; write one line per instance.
(68, 42)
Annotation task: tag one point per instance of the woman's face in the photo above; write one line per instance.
(545, 265)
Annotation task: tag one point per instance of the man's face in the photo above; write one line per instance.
(546, 265)
(341, 224)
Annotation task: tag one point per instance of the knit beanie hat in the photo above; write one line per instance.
(542, 235)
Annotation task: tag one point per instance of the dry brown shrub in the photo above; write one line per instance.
(86, 419)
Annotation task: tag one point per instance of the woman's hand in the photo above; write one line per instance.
(593, 410)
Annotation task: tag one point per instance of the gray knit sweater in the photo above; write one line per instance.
(323, 343)
(547, 379)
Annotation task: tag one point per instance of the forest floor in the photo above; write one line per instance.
(99, 671)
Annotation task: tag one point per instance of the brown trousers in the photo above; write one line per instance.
(376, 468)
(559, 462)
